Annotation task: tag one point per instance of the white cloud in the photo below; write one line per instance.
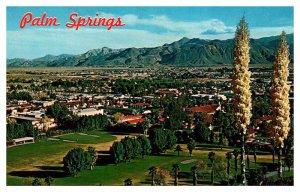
(37, 42)
(188, 27)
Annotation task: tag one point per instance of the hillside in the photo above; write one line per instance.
(185, 52)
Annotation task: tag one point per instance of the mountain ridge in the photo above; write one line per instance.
(184, 52)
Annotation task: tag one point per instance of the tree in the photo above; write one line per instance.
(118, 117)
(178, 149)
(152, 172)
(220, 167)
(280, 98)
(235, 153)
(92, 152)
(128, 182)
(201, 166)
(49, 180)
(228, 157)
(254, 154)
(175, 168)
(161, 139)
(289, 160)
(75, 161)
(194, 170)
(201, 133)
(137, 148)
(211, 136)
(256, 177)
(191, 146)
(146, 125)
(162, 177)
(241, 86)
(273, 150)
(145, 144)
(176, 115)
(59, 112)
(247, 154)
(221, 140)
(211, 157)
(36, 182)
(128, 148)
(117, 152)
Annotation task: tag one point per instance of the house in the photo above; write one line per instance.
(209, 109)
(88, 112)
(132, 119)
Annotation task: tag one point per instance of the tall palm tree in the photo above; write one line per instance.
(241, 87)
(273, 150)
(236, 155)
(178, 149)
(152, 171)
(191, 146)
(228, 157)
(194, 170)
(247, 154)
(254, 154)
(280, 97)
(211, 157)
(176, 169)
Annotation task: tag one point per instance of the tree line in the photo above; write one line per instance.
(18, 130)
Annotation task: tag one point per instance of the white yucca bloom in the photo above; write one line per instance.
(280, 93)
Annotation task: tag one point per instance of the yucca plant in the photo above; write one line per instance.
(280, 98)
(241, 86)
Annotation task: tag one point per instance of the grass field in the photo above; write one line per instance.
(44, 158)
(91, 137)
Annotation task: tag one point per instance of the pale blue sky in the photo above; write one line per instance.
(145, 27)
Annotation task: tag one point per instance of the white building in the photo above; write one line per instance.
(88, 112)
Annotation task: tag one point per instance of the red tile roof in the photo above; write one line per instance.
(70, 103)
(131, 117)
(135, 121)
(204, 109)
(142, 104)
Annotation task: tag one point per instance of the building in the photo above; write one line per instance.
(88, 112)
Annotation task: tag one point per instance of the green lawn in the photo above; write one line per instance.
(44, 158)
(112, 174)
(92, 137)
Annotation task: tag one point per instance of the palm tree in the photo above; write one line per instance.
(235, 154)
(254, 154)
(178, 149)
(211, 157)
(280, 98)
(36, 182)
(152, 172)
(176, 169)
(194, 170)
(191, 146)
(241, 87)
(228, 157)
(128, 182)
(248, 160)
(49, 180)
(289, 160)
(273, 150)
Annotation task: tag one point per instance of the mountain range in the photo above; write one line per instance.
(184, 52)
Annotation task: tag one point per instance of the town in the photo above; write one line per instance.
(61, 104)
